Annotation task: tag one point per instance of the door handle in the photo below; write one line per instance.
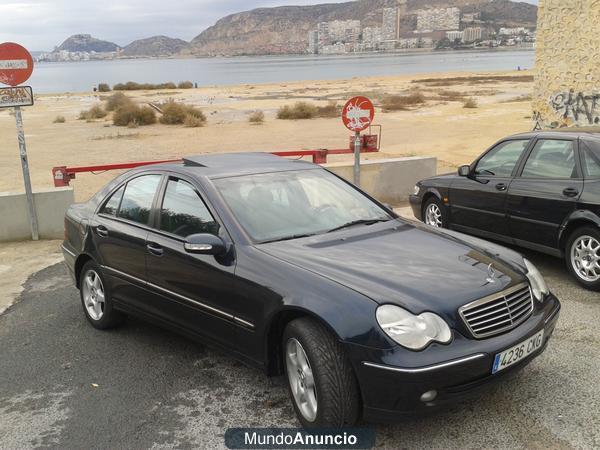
(570, 192)
(154, 249)
(501, 187)
(102, 231)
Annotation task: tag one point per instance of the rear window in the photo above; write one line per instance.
(591, 159)
(138, 197)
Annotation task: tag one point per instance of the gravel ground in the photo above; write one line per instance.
(64, 384)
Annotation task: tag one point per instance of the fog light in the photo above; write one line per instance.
(429, 396)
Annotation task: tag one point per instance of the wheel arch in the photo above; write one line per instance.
(574, 221)
(81, 260)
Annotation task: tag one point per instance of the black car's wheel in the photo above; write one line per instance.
(434, 213)
(582, 254)
(321, 382)
(96, 299)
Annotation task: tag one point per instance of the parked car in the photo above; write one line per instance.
(537, 190)
(294, 270)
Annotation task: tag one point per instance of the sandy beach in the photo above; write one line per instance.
(441, 127)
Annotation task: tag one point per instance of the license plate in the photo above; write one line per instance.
(515, 354)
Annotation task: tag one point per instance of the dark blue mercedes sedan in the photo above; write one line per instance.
(296, 271)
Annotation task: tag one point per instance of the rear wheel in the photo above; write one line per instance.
(96, 299)
(434, 213)
(582, 254)
(321, 382)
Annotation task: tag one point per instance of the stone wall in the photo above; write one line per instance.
(567, 82)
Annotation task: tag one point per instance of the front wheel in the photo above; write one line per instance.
(321, 382)
(434, 213)
(582, 254)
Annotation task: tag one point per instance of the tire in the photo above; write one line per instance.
(434, 213)
(335, 389)
(582, 255)
(96, 300)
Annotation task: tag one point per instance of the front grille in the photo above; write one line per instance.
(498, 313)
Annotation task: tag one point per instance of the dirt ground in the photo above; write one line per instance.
(441, 127)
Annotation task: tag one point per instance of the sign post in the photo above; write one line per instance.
(16, 66)
(357, 115)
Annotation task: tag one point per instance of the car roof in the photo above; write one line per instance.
(225, 165)
(566, 133)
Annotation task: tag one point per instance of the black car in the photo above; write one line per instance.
(296, 271)
(537, 190)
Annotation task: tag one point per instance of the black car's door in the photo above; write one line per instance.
(478, 202)
(545, 192)
(192, 291)
(119, 232)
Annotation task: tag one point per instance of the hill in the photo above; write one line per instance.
(284, 29)
(154, 46)
(87, 43)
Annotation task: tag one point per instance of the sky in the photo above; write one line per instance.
(44, 24)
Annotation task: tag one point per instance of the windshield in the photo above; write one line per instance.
(287, 205)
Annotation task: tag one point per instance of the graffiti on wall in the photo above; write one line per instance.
(577, 106)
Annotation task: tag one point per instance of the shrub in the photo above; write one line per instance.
(174, 113)
(257, 117)
(402, 102)
(59, 119)
(95, 112)
(117, 100)
(300, 110)
(193, 121)
(185, 85)
(470, 103)
(331, 110)
(132, 115)
(103, 87)
(133, 86)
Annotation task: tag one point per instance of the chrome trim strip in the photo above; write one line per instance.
(463, 310)
(426, 368)
(552, 314)
(184, 298)
(67, 250)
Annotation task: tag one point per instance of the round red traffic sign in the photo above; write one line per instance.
(358, 113)
(16, 64)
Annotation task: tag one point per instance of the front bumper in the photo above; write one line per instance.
(416, 205)
(393, 381)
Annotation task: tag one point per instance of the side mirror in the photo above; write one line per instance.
(205, 244)
(464, 171)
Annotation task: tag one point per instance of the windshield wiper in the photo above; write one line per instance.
(288, 238)
(358, 222)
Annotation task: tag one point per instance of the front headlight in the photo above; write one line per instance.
(416, 189)
(410, 331)
(538, 284)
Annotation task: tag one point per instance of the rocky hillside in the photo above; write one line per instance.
(87, 43)
(284, 29)
(154, 46)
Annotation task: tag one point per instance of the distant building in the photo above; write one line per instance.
(438, 19)
(471, 17)
(454, 35)
(372, 37)
(474, 34)
(389, 27)
(345, 31)
(313, 42)
(512, 31)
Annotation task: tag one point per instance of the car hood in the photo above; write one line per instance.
(407, 264)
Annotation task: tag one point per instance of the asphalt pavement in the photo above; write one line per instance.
(64, 384)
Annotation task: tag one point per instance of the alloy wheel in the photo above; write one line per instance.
(301, 379)
(585, 258)
(433, 215)
(93, 295)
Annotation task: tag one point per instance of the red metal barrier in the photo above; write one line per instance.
(62, 175)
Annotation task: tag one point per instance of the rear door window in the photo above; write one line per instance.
(591, 159)
(111, 207)
(551, 158)
(138, 197)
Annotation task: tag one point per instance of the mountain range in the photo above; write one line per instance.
(284, 29)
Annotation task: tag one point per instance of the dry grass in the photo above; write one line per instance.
(257, 117)
(331, 110)
(298, 111)
(402, 102)
(477, 79)
(116, 136)
(95, 112)
(520, 98)
(451, 96)
(174, 113)
(117, 100)
(193, 121)
(133, 86)
(185, 85)
(59, 119)
(470, 103)
(131, 115)
(103, 87)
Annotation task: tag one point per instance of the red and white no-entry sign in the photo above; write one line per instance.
(358, 113)
(16, 64)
